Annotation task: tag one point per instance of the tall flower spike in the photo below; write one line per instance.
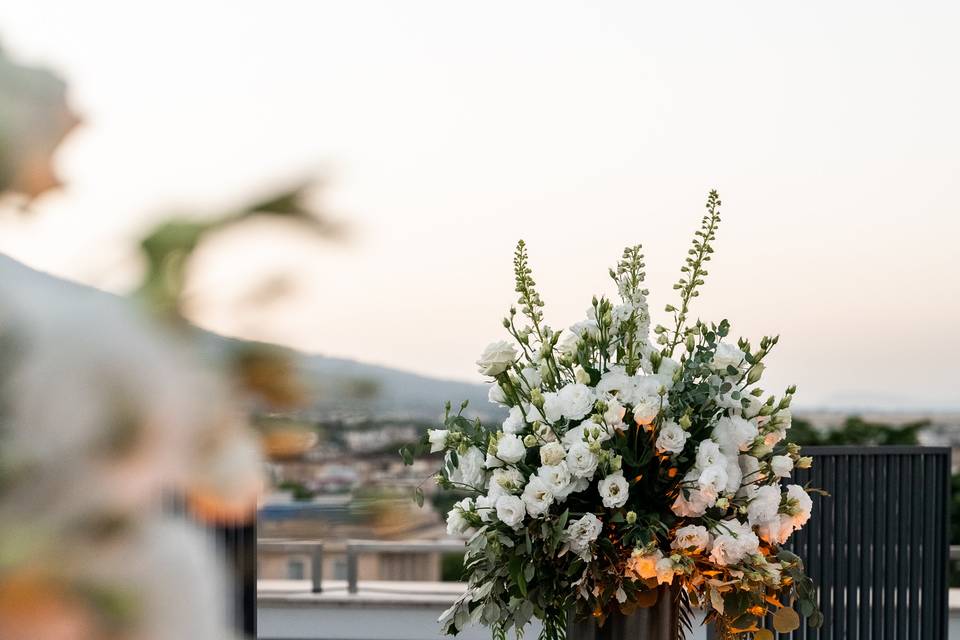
(693, 270)
(529, 300)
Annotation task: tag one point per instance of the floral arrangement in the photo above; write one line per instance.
(627, 462)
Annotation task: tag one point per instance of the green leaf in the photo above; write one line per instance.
(418, 496)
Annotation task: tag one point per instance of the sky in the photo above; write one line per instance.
(444, 131)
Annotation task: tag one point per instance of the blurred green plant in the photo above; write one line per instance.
(856, 431)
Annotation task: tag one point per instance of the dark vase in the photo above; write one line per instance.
(659, 622)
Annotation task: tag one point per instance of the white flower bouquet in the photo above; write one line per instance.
(627, 462)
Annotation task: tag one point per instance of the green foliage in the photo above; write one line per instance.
(857, 431)
(300, 492)
(693, 272)
(451, 567)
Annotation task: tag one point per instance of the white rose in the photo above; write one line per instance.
(712, 482)
(727, 355)
(514, 422)
(734, 434)
(581, 461)
(510, 448)
(557, 477)
(496, 358)
(777, 530)
(470, 470)
(671, 438)
(691, 537)
(764, 505)
(552, 453)
(511, 510)
(614, 490)
(582, 533)
(537, 497)
(438, 439)
(456, 522)
(552, 407)
(783, 419)
(496, 395)
(734, 541)
(645, 409)
(576, 401)
(708, 454)
(781, 466)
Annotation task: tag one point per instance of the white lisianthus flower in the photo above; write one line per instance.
(783, 419)
(586, 431)
(712, 482)
(537, 497)
(470, 470)
(671, 438)
(799, 505)
(734, 541)
(496, 358)
(665, 571)
(581, 461)
(773, 437)
(615, 382)
(585, 328)
(690, 504)
(764, 506)
(576, 401)
(552, 407)
(781, 466)
(664, 374)
(750, 467)
(777, 530)
(646, 409)
(558, 479)
(486, 506)
(514, 422)
(511, 510)
(532, 377)
(734, 434)
(614, 490)
(613, 416)
(580, 375)
(552, 453)
(457, 524)
(708, 454)
(727, 355)
(438, 439)
(507, 480)
(496, 394)
(643, 563)
(510, 448)
(568, 344)
(691, 536)
(734, 476)
(581, 533)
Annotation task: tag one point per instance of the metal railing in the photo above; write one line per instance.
(356, 548)
(300, 547)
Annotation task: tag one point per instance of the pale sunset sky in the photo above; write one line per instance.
(448, 130)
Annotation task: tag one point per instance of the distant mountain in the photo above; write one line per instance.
(340, 388)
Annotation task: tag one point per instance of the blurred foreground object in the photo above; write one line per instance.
(34, 119)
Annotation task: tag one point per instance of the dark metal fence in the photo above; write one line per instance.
(878, 546)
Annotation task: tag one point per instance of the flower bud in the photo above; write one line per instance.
(631, 517)
(804, 463)
(529, 440)
(723, 503)
(684, 422)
